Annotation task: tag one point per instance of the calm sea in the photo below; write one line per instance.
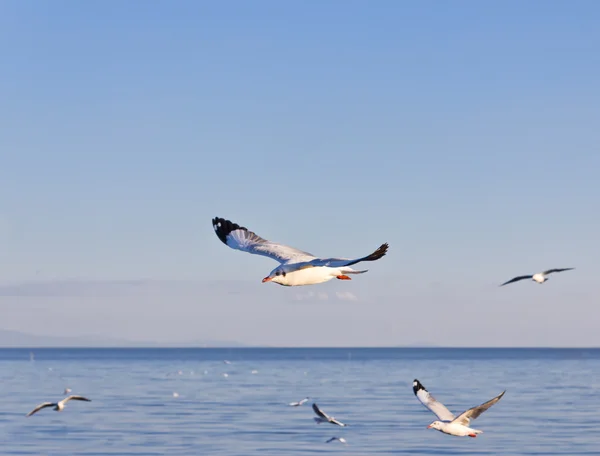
(551, 407)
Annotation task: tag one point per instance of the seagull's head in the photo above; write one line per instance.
(435, 425)
(277, 275)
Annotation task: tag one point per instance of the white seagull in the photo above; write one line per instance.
(540, 277)
(341, 439)
(58, 406)
(324, 418)
(296, 267)
(449, 424)
(296, 404)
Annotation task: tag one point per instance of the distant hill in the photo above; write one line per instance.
(17, 339)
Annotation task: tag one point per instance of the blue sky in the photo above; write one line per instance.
(463, 133)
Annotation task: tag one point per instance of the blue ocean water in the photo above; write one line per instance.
(551, 406)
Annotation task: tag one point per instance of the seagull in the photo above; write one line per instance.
(58, 406)
(67, 391)
(341, 439)
(296, 404)
(449, 424)
(324, 418)
(296, 267)
(540, 277)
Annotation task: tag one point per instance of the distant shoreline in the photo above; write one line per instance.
(261, 347)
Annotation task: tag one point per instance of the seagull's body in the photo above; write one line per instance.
(448, 423)
(322, 417)
(58, 406)
(332, 439)
(539, 277)
(296, 404)
(296, 267)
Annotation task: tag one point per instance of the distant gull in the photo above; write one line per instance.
(296, 267)
(296, 404)
(341, 439)
(67, 391)
(449, 424)
(58, 406)
(225, 375)
(226, 361)
(540, 277)
(175, 394)
(324, 418)
(254, 372)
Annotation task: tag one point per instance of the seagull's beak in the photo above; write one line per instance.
(429, 426)
(267, 279)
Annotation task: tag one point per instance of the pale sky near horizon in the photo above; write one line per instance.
(463, 133)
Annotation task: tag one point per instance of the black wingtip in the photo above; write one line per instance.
(380, 252)
(223, 227)
(417, 386)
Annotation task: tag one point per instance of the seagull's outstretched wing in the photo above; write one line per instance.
(75, 398)
(40, 407)
(465, 417)
(240, 238)
(320, 412)
(516, 279)
(341, 262)
(431, 402)
(550, 271)
(339, 423)
(296, 404)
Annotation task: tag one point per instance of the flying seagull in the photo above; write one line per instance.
(58, 406)
(449, 424)
(540, 277)
(296, 404)
(296, 267)
(341, 439)
(324, 418)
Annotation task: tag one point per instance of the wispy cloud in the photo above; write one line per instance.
(77, 288)
(346, 296)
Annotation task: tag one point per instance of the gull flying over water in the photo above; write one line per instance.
(296, 267)
(449, 424)
(58, 406)
(296, 404)
(540, 277)
(324, 418)
(332, 439)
